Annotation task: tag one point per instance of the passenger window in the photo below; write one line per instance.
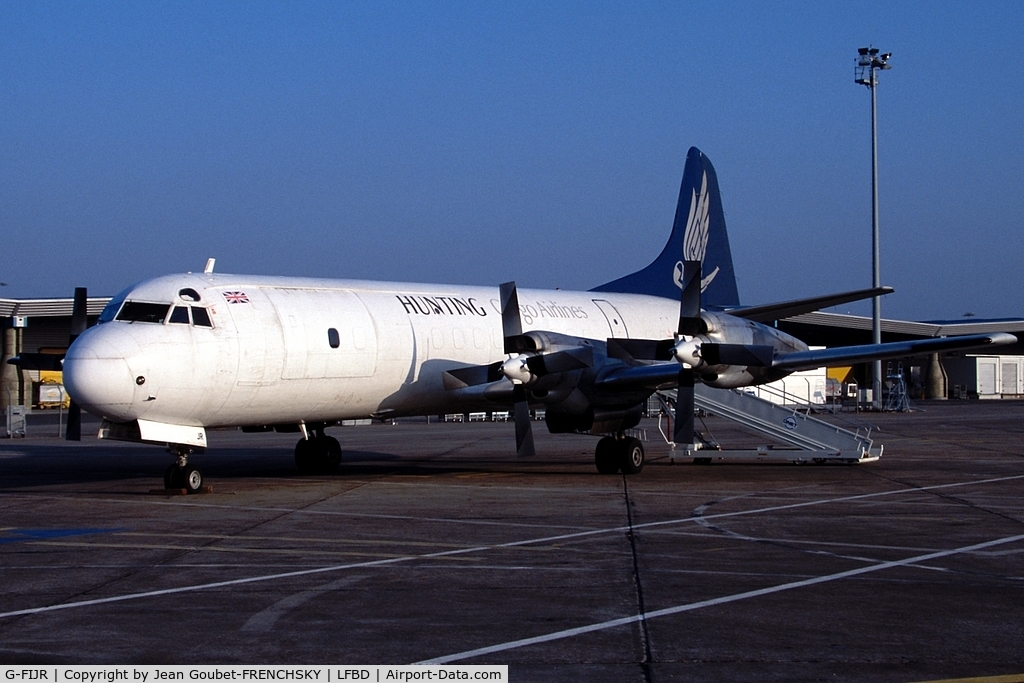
(139, 312)
(332, 338)
(179, 315)
(200, 317)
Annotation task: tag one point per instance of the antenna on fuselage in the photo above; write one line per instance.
(210, 262)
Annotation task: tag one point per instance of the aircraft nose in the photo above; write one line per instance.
(98, 377)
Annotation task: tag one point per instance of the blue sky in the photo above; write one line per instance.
(541, 142)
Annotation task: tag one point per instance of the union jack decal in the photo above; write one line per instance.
(236, 297)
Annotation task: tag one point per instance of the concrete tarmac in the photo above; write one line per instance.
(434, 543)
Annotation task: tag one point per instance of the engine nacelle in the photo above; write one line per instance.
(542, 341)
(544, 359)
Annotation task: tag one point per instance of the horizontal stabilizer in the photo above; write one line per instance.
(787, 309)
(846, 355)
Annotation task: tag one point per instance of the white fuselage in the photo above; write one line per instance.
(271, 357)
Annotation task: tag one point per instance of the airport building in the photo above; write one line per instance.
(36, 326)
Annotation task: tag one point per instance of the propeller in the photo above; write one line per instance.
(79, 321)
(513, 368)
(687, 351)
(526, 363)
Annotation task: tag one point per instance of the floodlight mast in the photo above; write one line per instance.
(868, 62)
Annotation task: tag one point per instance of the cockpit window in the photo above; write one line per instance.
(142, 312)
(200, 317)
(189, 294)
(110, 310)
(179, 315)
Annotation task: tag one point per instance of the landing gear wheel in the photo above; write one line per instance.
(318, 455)
(192, 479)
(305, 458)
(332, 454)
(631, 452)
(606, 456)
(173, 478)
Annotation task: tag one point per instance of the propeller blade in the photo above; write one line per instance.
(79, 321)
(471, 376)
(640, 349)
(74, 428)
(515, 342)
(79, 313)
(754, 355)
(511, 325)
(690, 323)
(683, 431)
(524, 424)
(37, 361)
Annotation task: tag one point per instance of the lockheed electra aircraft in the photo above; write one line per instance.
(176, 355)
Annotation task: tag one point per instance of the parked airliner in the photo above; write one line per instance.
(176, 355)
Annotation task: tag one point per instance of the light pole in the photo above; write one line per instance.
(869, 61)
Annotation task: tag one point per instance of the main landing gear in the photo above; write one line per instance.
(318, 453)
(615, 453)
(181, 475)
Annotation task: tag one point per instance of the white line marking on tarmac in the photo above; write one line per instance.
(613, 623)
(484, 548)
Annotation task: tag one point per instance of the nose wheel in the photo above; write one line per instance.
(181, 475)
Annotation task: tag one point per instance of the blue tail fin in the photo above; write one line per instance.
(697, 234)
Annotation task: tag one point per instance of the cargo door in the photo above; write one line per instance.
(327, 333)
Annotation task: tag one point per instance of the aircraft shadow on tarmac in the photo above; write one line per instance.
(34, 465)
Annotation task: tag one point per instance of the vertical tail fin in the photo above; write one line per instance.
(698, 234)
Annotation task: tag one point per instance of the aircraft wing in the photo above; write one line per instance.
(847, 355)
(658, 375)
(654, 376)
(786, 309)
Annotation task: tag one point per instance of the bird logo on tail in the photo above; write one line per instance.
(695, 240)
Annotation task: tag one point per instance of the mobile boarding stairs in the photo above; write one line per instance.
(808, 438)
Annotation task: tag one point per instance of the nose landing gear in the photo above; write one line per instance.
(181, 475)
